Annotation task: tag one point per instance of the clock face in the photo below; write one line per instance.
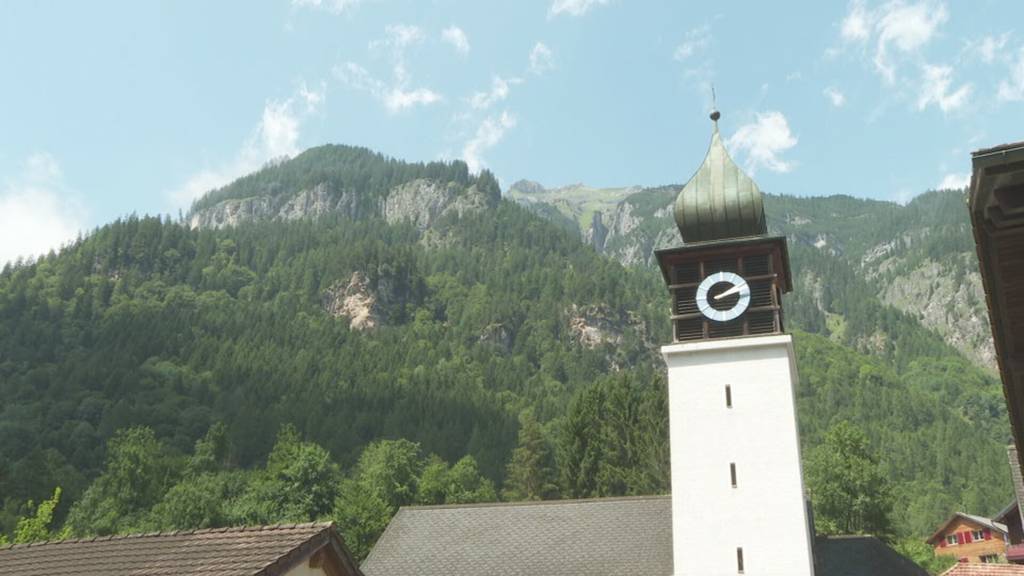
(723, 296)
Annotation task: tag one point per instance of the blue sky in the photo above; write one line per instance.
(109, 108)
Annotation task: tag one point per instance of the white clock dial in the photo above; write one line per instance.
(738, 286)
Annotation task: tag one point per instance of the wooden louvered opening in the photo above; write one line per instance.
(763, 315)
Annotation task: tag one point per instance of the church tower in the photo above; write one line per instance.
(737, 488)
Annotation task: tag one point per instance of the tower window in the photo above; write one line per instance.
(732, 473)
(739, 560)
(728, 396)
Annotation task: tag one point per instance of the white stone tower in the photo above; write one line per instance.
(738, 504)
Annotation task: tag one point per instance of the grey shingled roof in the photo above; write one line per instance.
(860, 556)
(1015, 475)
(553, 538)
(598, 537)
(263, 551)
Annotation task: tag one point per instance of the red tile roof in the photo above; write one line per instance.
(972, 569)
(247, 551)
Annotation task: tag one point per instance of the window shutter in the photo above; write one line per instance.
(959, 537)
(967, 537)
(988, 534)
(942, 543)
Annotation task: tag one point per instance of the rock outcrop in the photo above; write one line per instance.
(313, 203)
(422, 202)
(353, 300)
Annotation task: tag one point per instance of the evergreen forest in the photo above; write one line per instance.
(156, 376)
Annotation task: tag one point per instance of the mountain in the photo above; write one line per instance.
(918, 258)
(361, 298)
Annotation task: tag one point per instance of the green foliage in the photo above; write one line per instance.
(39, 527)
(137, 473)
(531, 472)
(924, 555)
(299, 484)
(614, 438)
(849, 492)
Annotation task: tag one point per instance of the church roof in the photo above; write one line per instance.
(597, 537)
(720, 201)
(247, 551)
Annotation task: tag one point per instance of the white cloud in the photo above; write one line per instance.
(955, 181)
(541, 59)
(276, 136)
(1012, 88)
(695, 41)
(573, 7)
(335, 6)
(899, 28)
(990, 46)
(856, 25)
(935, 89)
(907, 28)
(312, 98)
(763, 141)
(398, 37)
(38, 211)
(398, 99)
(457, 38)
(498, 92)
(835, 96)
(395, 97)
(488, 134)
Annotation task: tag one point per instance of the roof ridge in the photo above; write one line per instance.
(536, 502)
(160, 533)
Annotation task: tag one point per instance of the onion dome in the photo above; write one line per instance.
(720, 201)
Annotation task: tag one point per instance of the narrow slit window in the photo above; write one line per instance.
(739, 560)
(732, 473)
(728, 396)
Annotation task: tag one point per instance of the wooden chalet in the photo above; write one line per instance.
(314, 549)
(971, 539)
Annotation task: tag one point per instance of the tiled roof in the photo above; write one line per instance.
(973, 569)
(262, 551)
(598, 537)
(860, 556)
(554, 538)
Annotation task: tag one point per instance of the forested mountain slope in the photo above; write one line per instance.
(918, 258)
(435, 312)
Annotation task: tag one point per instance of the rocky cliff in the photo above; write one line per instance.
(917, 259)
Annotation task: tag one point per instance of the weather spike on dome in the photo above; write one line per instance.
(720, 201)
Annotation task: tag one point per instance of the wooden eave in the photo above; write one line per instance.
(996, 206)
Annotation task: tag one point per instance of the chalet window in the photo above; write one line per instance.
(728, 396)
(990, 558)
(732, 473)
(977, 535)
(951, 539)
(739, 560)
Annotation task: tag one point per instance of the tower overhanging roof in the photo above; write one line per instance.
(720, 201)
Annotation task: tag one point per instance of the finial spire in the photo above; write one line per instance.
(715, 114)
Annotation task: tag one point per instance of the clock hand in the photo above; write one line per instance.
(736, 288)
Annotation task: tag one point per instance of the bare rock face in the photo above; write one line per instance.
(497, 334)
(951, 306)
(354, 301)
(312, 203)
(596, 234)
(422, 202)
(594, 325)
